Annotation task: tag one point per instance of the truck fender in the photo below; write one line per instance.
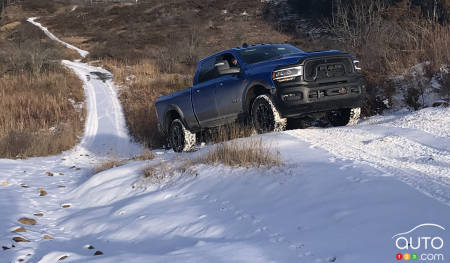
(172, 108)
(262, 86)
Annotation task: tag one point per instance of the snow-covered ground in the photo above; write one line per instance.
(341, 195)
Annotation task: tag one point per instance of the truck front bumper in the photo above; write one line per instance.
(300, 99)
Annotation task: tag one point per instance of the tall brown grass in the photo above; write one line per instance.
(141, 84)
(41, 114)
(41, 102)
(247, 153)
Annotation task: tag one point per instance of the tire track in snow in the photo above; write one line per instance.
(105, 128)
(424, 167)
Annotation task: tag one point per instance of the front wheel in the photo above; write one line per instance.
(265, 116)
(344, 117)
(181, 139)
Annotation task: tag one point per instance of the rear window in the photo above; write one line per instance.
(253, 55)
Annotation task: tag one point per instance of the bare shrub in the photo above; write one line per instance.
(248, 153)
(412, 97)
(445, 83)
(159, 171)
(389, 40)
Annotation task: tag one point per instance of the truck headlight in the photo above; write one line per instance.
(356, 64)
(287, 73)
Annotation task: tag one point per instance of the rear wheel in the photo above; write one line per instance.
(181, 139)
(265, 116)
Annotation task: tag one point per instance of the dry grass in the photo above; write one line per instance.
(159, 171)
(248, 153)
(116, 162)
(141, 84)
(109, 164)
(144, 156)
(41, 102)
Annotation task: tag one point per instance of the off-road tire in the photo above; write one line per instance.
(344, 117)
(180, 138)
(265, 116)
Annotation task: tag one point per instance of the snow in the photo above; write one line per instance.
(82, 53)
(341, 195)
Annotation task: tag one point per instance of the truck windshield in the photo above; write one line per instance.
(269, 52)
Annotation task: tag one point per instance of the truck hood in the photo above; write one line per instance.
(292, 59)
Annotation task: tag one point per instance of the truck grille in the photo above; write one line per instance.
(327, 68)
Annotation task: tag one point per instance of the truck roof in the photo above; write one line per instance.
(243, 47)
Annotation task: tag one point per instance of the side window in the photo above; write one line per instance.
(231, 61)
(207, 70)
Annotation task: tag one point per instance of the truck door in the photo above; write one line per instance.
(229, 90)
(203, 94)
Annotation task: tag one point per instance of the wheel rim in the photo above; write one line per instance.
(177, 136)
(264, 117)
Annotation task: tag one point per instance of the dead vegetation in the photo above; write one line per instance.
(390, 40)
(144, 156)
(248, 153)
(41, 102)
(141, 83)
(109, 164)
(113, 162)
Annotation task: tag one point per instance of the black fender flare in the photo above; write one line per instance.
(172, 108)
(249, 87)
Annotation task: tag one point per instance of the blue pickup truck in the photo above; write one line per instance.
(266, 84)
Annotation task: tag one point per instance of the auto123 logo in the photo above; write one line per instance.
(422, 243)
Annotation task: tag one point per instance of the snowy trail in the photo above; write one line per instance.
(105, 136)
(82, 53)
